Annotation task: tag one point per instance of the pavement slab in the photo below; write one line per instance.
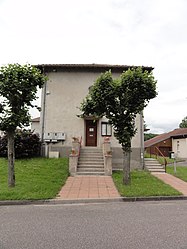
(88, 187)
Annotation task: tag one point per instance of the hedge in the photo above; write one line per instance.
(27, 144)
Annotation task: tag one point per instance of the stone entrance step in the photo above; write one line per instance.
(153, 165)
(90, 162)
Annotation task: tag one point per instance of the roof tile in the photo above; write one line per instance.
(175, 133)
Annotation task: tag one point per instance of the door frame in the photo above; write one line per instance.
(95, 132)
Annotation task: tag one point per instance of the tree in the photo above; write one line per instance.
(183, 124)
(120, 100)
(18, 88)
(148, 136)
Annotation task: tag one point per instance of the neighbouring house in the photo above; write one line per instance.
(65, 89)
(35, 126)
(175, 141)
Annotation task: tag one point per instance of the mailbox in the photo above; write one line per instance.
(54, 137)
(172, 154)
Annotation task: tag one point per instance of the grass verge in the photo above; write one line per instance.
(142, 184)
(161, 159)
(38, 178)
(181, 172)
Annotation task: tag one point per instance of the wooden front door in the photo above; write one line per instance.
(91, 133)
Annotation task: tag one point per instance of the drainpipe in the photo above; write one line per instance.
(43, 107)
(142, 141)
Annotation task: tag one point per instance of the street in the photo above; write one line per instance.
(137, 225)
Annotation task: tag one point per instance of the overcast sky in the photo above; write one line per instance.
(129, 32)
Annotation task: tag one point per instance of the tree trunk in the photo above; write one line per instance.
(11, 159)
(126, 167)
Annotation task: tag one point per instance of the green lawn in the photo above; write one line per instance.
(142, 184)
(181, 172)
(161, 159)
(38, 178)
(42, 178)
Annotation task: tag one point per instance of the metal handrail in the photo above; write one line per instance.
(161, 154)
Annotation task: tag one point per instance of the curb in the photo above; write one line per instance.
(86, 201)
(154, 198)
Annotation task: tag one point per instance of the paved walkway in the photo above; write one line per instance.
(102, 187)
(173, 181)
(88, 187)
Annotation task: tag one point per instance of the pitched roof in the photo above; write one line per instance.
(87, 67)
(177, 133)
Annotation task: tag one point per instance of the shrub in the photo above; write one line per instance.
(27, 144)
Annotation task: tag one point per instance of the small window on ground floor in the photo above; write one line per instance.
(106, 129)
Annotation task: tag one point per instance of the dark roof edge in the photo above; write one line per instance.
(52, 67)
(179, 136)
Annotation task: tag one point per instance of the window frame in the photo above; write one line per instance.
(107, 129)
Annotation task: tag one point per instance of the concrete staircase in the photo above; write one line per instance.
(90, 162)
(153, 165)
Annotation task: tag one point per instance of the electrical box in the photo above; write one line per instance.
(172, 155)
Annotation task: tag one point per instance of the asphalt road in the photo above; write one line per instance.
(138, 225)
(181, 163)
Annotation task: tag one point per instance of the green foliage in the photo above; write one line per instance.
(27, 145)
(143, 184)
(181, 172)
(120, 100)
(18, 88)
(37, 178)
(183, 124)
(161, 159)
(148, 136)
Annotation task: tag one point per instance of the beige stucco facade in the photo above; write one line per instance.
(35, 126)
(179, 147)
(61, 98)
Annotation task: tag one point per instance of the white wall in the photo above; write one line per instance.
(179, 146)
(35, 126)
(64, 93)
(1, 133)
